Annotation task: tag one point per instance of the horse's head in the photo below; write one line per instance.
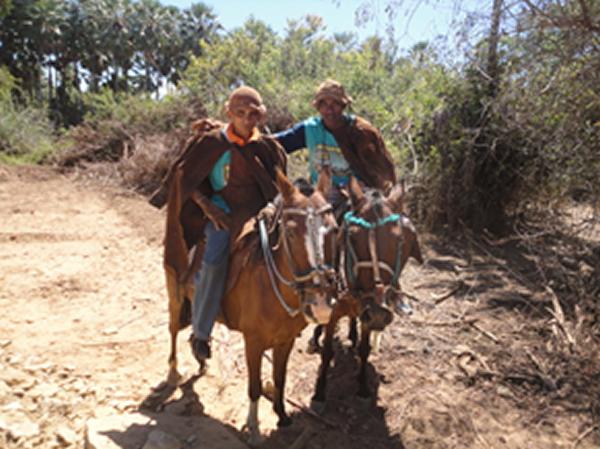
(309, 240)
(378, 239)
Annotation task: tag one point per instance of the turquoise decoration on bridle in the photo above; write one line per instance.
(350, 218)
(353, 264)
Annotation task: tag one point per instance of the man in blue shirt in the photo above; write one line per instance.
(347, 144)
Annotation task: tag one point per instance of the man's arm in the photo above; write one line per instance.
(292, 139)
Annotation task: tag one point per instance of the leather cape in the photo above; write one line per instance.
(185, 220)
(363, 147)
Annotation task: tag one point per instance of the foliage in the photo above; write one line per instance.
(26, 135)
(5, 7)
(386, 89)
(7, 85)
(518, 127)
(55, 48)
(138, 133)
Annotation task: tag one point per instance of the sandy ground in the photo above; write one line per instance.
(83, 334)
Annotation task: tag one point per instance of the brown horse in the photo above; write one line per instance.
(277, 290)
(376, 240)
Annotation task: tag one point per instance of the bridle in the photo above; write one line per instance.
(313, 278)
(352, 264)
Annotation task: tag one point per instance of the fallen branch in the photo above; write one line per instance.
(503, 241)
(409, 296)
(462, 363)
(450, 323)
(583, 434)
(438, 299)
(488, 334)
(559, 319)
(310, 412)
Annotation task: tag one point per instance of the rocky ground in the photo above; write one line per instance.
(83, 341)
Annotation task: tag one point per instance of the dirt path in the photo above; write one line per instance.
(83, 334)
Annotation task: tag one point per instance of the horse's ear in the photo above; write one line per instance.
(396, 197)
(357, 195)
(324, 183)
(284, 185)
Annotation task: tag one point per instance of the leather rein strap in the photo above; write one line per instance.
(299, 280)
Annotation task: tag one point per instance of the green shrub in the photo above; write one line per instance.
(26, 135)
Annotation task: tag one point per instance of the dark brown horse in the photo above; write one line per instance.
(375, 239)
(276, 292)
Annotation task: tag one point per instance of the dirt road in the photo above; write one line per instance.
(83, 335)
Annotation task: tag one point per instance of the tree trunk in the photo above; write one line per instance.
(492, 62)
(50, 85)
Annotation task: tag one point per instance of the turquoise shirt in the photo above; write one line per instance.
(323, 150)
(218, 177)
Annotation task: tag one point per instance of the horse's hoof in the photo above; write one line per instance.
(255, 439)
(317, 406)
(284, 422)
(202, 368)
(173, 380)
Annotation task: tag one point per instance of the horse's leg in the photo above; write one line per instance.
(353, 332)
(281, 354)
(376, 337)
(318, 400)
(364, 350)
(176, 295)
(254, 352)
(313, 342)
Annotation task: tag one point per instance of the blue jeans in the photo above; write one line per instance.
(210, 281)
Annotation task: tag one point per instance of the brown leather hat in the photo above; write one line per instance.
(246, 96)
(331, 89)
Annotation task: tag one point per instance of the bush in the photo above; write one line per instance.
(114, 126)
(26, 134)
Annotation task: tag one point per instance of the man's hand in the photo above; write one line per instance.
(216, 215)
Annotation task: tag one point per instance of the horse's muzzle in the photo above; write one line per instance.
(376, 317)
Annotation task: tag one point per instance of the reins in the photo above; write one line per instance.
(299, 280)
(353, 264)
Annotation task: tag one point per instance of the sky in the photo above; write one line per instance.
(339, 16)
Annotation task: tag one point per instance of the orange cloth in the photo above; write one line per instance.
(234, 138)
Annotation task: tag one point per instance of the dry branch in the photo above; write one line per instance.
(450, 323)
(310, 412)
(559, 319)
(438, 299)
(488, 334)
(584, 434)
